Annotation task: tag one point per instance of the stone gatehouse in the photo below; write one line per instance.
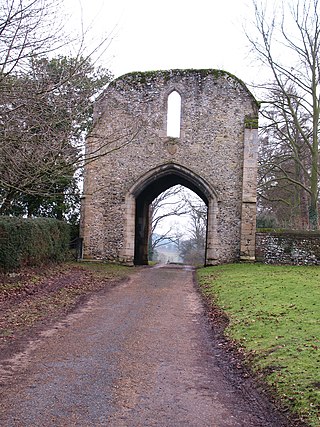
(132, 157)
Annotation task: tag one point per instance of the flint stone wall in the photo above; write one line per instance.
(288, 248)
(218, 145)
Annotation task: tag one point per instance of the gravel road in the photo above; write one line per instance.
(139, 354)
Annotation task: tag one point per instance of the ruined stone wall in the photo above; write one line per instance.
(129, 139)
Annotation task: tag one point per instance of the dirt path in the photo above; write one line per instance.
(140, 354)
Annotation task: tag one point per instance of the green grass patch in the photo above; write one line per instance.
(274, 314)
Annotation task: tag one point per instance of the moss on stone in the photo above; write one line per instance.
(251, 122)
(138, 79)
(289, 232)
(144, 77)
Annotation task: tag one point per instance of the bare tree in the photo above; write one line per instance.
(28, 28)
(168, 204)
(192, 249)
(44, 115)
(179, 201)
(45, 107)
(284, 164)
(287, 41)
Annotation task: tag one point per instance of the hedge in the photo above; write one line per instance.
(32, 241)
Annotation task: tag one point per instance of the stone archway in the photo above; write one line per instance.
(145, 190)
(131, 158)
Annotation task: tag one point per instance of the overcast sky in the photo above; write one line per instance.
(165, 34)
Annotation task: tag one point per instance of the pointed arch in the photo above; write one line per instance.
(145, 190)
(165, 176)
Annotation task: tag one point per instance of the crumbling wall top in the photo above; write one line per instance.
(143, 79)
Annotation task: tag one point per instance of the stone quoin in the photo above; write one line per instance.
(131, 158)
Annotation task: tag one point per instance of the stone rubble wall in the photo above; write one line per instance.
(288, 248)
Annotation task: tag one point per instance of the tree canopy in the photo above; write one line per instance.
(45, 111)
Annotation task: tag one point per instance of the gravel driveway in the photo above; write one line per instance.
(139, 354)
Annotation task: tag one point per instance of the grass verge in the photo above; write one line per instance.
(274, 317)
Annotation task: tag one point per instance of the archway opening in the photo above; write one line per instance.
(177, 227)
(143, 216)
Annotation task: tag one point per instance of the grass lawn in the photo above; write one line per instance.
(274, 314)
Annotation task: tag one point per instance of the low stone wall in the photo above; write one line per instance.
(287, 247)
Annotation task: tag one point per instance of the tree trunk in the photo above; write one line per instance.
(313, 208)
